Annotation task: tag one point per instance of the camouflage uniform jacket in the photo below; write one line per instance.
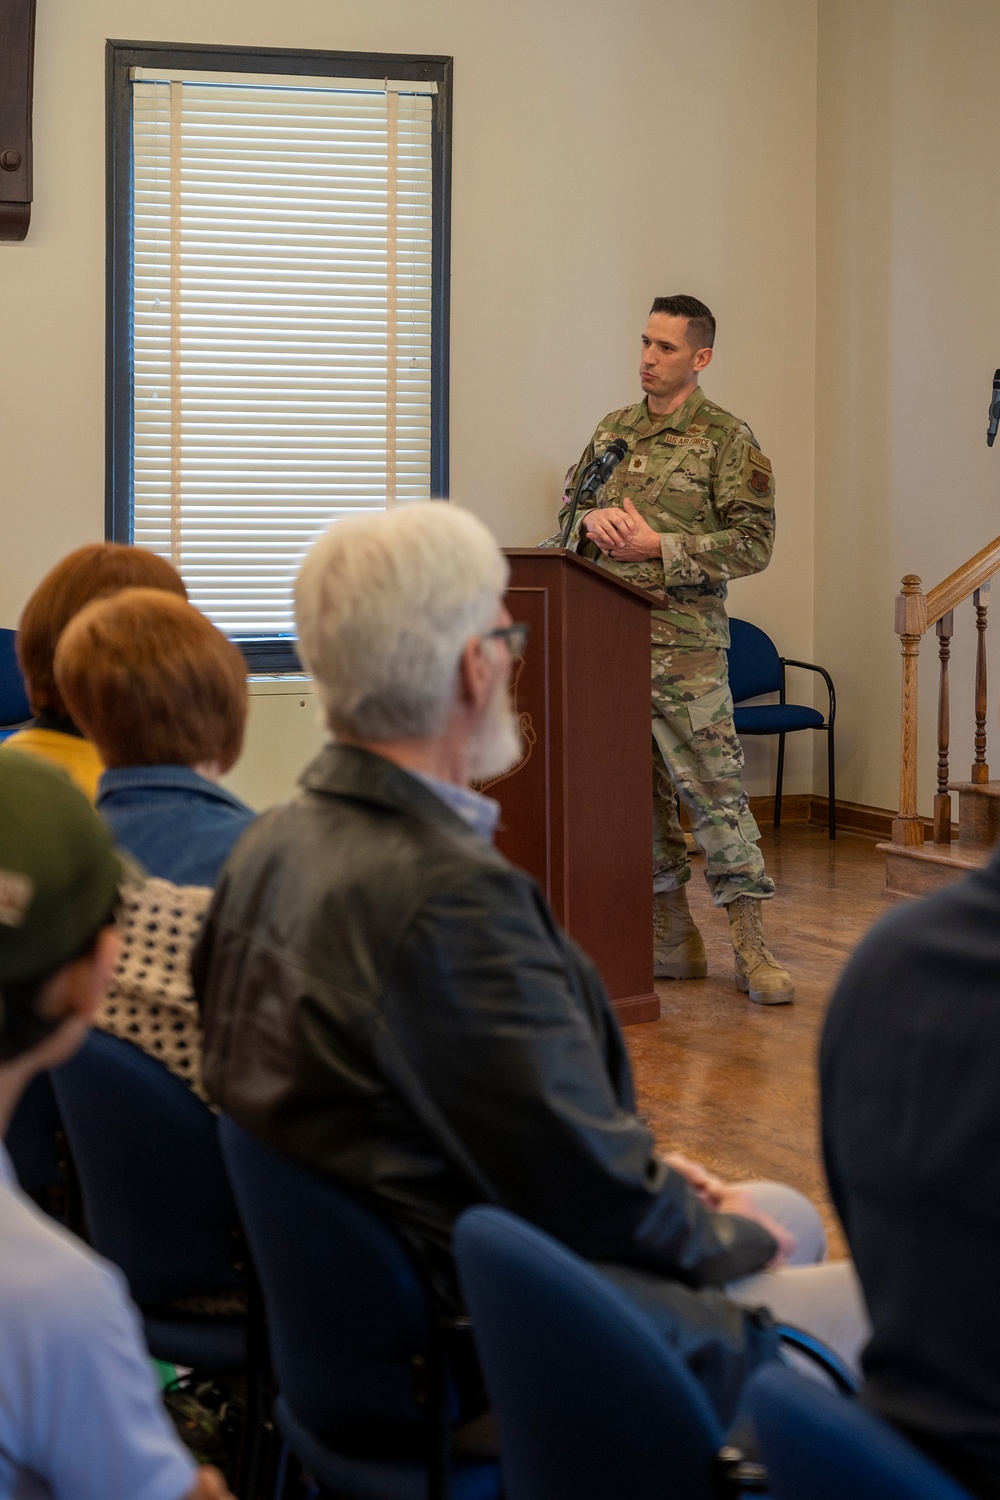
(697, 477)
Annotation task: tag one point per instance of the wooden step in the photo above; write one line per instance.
(916, 871)
(978, 811)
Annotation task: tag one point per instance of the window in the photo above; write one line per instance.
(278, 277)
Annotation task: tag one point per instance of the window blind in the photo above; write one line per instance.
(282, 280)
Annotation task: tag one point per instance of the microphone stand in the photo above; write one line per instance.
(581, 489)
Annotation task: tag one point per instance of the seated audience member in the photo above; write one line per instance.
(80, 1413)
(911, 1136)
(88, 573)
(162, 695)
(386, 999)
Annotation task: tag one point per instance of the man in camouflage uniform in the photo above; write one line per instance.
(689, 507)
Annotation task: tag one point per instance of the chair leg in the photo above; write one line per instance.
(832, 780)
(281, 1474)
(780, 779)
(438, 1425)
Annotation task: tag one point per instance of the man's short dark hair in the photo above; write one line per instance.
(701, 323)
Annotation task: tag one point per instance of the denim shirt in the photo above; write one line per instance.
(177, 824)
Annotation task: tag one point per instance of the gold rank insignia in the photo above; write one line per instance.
(638, 464)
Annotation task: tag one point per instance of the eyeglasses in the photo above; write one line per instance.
(515, 635)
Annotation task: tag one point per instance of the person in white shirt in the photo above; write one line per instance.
(80, 1412)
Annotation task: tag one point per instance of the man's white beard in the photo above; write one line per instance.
(498, 744)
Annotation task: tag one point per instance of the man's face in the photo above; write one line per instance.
(497, 742)
(669, 366)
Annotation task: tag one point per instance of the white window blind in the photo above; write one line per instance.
(281, 322)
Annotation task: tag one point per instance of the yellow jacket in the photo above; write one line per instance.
(76, 756)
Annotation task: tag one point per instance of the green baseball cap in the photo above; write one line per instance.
(59, 872)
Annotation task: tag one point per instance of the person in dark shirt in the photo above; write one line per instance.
(910, 1062)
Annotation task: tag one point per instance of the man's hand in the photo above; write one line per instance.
(622, 534)
(708, 1187)
(210, 1486)
(725, 1198)
(736, 1200)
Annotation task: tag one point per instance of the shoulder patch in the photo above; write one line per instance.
(759, 461)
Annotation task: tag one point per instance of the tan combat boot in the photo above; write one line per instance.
(678, 950)
(758, 973)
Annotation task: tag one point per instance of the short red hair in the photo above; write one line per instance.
(88, 573)
(152, 682)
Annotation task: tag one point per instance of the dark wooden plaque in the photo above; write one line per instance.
(17, 49)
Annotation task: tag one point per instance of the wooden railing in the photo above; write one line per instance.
(916, 612)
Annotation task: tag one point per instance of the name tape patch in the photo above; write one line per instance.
(682, 440)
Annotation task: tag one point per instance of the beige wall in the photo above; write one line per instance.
(908, 339)
(603, 154)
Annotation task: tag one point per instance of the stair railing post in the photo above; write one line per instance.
(942, 800)
(981, 599)
(910, 624)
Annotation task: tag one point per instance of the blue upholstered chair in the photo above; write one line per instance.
(365, 1401)
(15, 709)
(822, 1446)
(156, 1196)
(590, 1403)
(157, 1202)
(755, 668)
(36, 1144)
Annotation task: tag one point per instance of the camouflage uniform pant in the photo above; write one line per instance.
(696, 753)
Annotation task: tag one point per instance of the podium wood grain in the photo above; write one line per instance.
(577, 811)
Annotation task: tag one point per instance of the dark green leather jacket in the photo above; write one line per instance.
(387, 999)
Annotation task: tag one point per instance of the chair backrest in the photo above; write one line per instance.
(829, 1447)
(754, 663)
(155, 1191)
(14, 705)
(590, 1403)
(31, 1139)
(347, 1307)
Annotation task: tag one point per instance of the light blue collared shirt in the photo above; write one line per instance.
(482, 814)
(80, 1413)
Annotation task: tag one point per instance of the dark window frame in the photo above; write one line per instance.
(277, 653)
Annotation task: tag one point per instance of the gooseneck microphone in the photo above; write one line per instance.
(597, 472)
(991, 431)
(605, 466)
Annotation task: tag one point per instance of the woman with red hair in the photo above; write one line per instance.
(91, 572)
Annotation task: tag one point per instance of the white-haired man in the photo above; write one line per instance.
(390, 1001)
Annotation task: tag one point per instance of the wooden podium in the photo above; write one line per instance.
(577, 811)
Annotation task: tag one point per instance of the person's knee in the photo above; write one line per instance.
(794, 1212)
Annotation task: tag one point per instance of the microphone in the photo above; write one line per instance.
(602, 468)
(596, 473)
(991, 431)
